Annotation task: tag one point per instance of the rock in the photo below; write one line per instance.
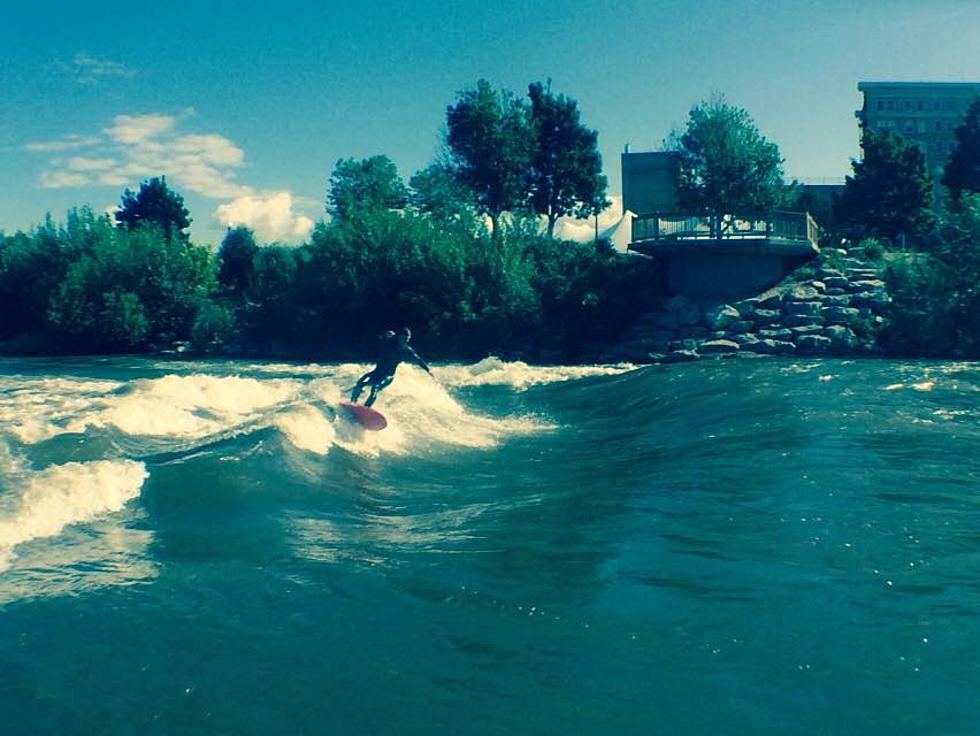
(841, 336)
(773, 301)
(746, 308)
(746, 339)
(836, 300)
(718, 318)
(681, 345)
(803, 307)
(870, 299)
(798, 320)
(767, 315)
(711, 347)
(742, 325)
(828, 271)
(841, 314)
(834, 291)
(781, 334)
(806, 330)
(867, 285)
(836, 282)
(770, 346)
(680, 356)
(815, 343)
(818, 285)
(802, 293)
(689, 314)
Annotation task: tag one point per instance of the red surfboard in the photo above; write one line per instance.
(366, 416)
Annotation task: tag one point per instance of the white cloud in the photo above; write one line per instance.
(88, 69)
(67, 143)
(61, 179)
(137, 129)
(270, 215)
(83, 163)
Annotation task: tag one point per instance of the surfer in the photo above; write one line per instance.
(394, 350)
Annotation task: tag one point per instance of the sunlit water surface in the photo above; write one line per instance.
(740, 547)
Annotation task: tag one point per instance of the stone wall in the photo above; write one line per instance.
(832, 306)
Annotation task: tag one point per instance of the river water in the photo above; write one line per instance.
(736, 547)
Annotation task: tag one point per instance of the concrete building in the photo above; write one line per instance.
(649, 181)
(925, 112)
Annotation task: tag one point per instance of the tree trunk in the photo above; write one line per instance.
(552, 219)
(495, 225)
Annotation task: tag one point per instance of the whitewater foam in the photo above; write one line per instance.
(60, 495)
(519, 375)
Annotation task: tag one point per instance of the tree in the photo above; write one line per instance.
(890, 192)
(566, 167)
(236, 256)
(962, 172)
(726, 165)
(435, 192)
(155, 203)
(364, 187)
(491, 141)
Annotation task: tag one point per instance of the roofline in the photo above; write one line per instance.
(945, 85)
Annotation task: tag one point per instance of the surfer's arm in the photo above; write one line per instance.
(413, 357)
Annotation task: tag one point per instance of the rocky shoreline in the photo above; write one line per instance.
(832, 307)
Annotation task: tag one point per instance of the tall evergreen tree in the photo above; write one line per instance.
(726, 165)
(491, 141)
(890, 192)
(157, 204)
(566, 167)
(962, 172)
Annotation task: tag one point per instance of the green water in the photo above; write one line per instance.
(740, 547)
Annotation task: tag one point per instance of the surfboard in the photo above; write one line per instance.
(365, 416)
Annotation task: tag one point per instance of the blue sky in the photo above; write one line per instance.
(246, 107)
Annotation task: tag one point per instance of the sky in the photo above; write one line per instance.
(246, 107)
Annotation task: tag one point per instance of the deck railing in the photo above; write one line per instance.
(776, 224)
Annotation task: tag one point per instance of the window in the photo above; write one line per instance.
(919, 105)
(909, 126)
(891, 104)
(881, 106)
(908, 104)
(939, 126)
(921, 126)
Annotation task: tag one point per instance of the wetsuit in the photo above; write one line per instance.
(393, 352)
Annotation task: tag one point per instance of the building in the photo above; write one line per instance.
(649, 181)
(925, 112)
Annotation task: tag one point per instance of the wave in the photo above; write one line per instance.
(61, 495)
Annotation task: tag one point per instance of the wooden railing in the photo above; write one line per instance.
(776, 224)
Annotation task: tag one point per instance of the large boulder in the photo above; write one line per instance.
(764, 316)
(841, 337)
(771, 301)
(782, 334)
(714, 347)
(719, 317)
(836, 282)
(771, 347)
(840, 314)
(802, 293)
(813, 343)
(798, 320)
(803, 307)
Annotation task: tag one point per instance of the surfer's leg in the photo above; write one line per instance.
(377, 388)
(359, 387)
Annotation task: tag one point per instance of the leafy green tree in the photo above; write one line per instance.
(358, 188)
(726, 165)
(235, 258)
(962, 172)
(491, 141)
(438, 194)
(566, 167)
(890, 192)
(157, 204)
